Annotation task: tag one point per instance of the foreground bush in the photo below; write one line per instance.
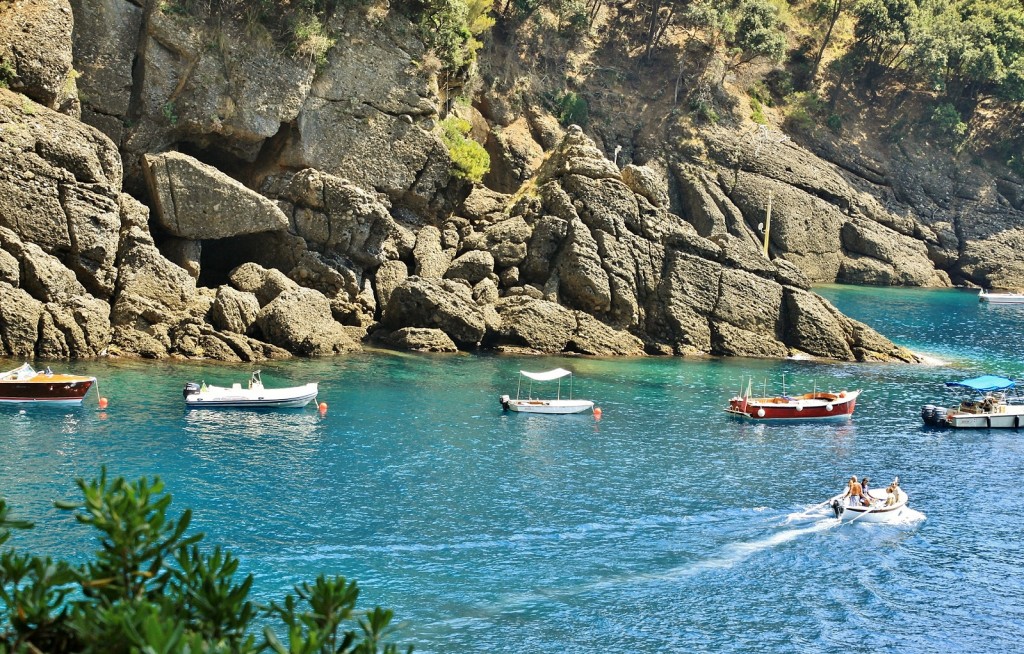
(149, 588)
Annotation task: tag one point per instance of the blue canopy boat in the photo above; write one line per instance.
(989, 402)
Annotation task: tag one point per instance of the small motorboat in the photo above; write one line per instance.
(1000, 298)
(816, 405)
(254, 396)
(988, 402)
(886, 505)
(535, 405)
(25, 384)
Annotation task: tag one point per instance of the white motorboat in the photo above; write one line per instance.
(1001, 298)
(990, 402)
(255, 395)
(883, 507)
(531, 404)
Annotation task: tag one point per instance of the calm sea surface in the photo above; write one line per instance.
(666, 526)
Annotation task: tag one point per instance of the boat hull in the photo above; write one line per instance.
(1005, 417)
(547, 406)
(876, 512)
(1001, 298)
(216, 397)
(812, 406)
(47, 389)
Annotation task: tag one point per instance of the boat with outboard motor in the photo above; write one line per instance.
(816, 405)
(534, 405)
(254, 396)
(989, 402)
(884, 505)
(26, 384)
(1000, 298)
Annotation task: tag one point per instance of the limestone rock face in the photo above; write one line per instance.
(196, 201)
(35, 40)
(19, 321)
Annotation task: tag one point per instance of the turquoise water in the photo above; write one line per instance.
(665, 526)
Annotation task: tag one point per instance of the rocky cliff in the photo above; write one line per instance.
(171, 187)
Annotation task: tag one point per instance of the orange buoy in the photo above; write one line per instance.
(597, 413)
(103, 403)
(323, 408)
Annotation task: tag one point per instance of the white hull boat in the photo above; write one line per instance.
(254, 396)
(545, 406)
(876, 511)
(1001, 298)
(992, 403)
(530, 404)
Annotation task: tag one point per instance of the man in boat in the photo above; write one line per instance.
(854, 491)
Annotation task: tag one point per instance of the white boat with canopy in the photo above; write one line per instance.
(530, 404)
(254, 396)
(990, 402)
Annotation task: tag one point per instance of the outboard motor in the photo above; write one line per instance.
(837, 507)
(504, 402)
(191, 388)
(928, 414)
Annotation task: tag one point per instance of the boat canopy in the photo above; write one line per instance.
(550, 375)
(985, 383)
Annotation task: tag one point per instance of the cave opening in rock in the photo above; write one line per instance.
(220, 256)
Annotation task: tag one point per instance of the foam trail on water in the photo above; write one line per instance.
(729, 556)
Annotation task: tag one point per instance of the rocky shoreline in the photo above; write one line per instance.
(176, 200)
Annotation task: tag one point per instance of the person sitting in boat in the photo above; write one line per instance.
(865, 497)
(892, 495)
(854, 491)
(987, 404)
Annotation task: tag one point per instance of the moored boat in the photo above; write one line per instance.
(990, 402)
(551, 406)
(883, 506)
(254, 396)
(1000, 298)
(816, 405)
(26, 384)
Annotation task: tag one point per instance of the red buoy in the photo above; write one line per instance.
(323, 408)
(103, 403)
(597, 413)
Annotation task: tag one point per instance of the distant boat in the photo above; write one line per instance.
(883, 507)
(535, 405)
(989, 402)
(254, 396)
(1001, 298)
(25, 384)
(817, 405)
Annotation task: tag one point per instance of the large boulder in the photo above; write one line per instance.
(440, 304)
(300, 321)
(196, 201)
(35, 43)
(233, 310)
(544, 326)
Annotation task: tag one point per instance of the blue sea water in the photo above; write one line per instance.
(664, 526)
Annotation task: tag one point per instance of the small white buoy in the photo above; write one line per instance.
(760, 413)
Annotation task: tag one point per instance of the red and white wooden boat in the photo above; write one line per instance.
(25, 384)
(818, 405)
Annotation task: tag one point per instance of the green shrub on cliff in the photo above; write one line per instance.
(469, 159)
(149, 588)
(450, 28)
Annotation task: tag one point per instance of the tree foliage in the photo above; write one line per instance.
(469, 159)
(150, 588)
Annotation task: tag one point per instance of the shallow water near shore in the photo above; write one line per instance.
(665, 526)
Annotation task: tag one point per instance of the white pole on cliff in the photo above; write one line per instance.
(767, 226)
